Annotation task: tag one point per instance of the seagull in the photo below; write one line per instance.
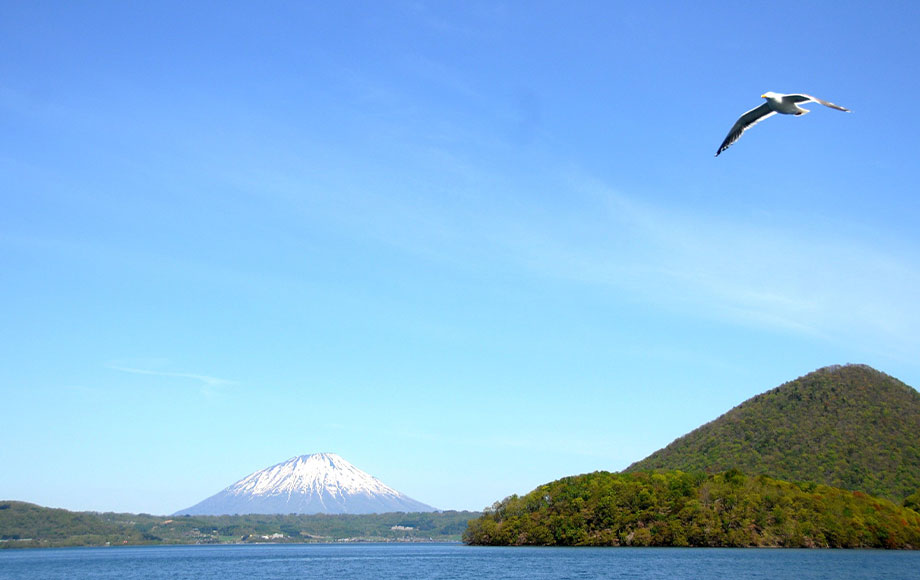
(776, 103)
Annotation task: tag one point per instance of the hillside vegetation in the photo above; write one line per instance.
(680, 509)
(851, 427)
(25, 525)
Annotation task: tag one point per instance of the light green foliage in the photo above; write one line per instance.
(913, 501)
(681, 509)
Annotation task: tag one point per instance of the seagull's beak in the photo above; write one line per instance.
(763, 96)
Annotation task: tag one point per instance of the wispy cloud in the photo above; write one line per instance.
(824, 282)
(209, 383)
(842, 283)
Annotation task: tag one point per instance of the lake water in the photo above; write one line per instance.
(446, 561)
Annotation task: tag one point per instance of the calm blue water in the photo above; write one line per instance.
(377, 561)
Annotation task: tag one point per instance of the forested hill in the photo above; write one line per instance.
(851, 427)
(680, 509)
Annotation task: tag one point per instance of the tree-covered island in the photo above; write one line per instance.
(849, 434)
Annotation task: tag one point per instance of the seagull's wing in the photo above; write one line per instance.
(745, 122)
(829, 104)
(806, 98)
(798, 98)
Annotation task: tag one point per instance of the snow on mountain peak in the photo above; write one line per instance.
(312, 473)
(317, 483)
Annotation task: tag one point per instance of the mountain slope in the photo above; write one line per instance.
(850, 426)
(308, 484)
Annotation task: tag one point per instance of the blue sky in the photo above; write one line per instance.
(471, 247)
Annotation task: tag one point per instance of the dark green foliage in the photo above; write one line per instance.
(851, 427)
(26, 525)
(681, 509)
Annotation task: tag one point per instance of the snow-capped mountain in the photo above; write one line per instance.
(308, 484)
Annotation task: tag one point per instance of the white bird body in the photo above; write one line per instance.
(775, 103)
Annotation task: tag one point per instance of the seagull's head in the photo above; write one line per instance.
(769, 95)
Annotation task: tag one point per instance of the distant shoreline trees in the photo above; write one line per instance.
(25, 525)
